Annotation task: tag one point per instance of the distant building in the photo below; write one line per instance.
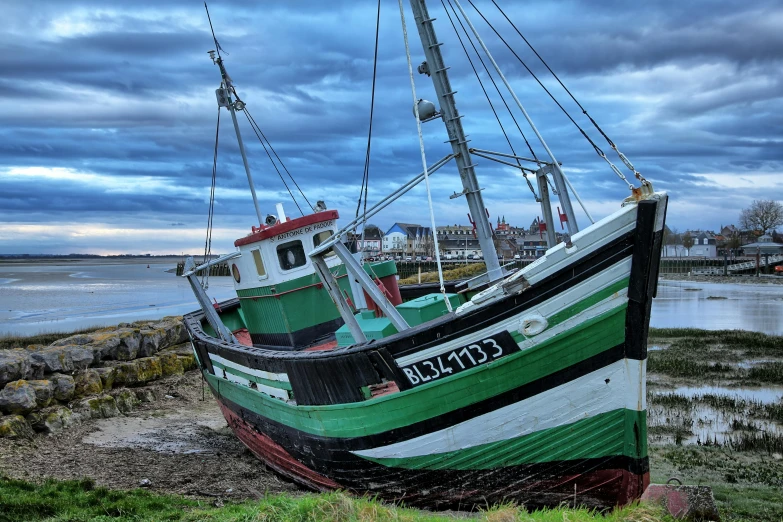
(408, 239)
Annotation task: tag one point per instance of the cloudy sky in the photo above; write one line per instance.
(107, 112)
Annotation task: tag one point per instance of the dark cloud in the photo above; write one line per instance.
(124, 97)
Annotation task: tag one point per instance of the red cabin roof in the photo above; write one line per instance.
(281, 228)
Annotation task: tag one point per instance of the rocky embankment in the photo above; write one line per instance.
(87, 376)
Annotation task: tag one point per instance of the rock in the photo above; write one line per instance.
(44, 392)
(17, 397)
(53, 359)
(52, 420)
(151, 341)
(107, 376)
(101, 407)
(87, 382)
(188, 362)
(128, 349)
(14, 365)
(149, 369)
(63, 386)
(145, 483)
(126, 400)
(14, 426)
(146, 395)
(76, 340)
(82, 357)
(170, 364)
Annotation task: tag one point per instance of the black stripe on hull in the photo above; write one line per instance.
(295, 340)
(601, 482)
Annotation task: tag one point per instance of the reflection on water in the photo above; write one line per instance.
(718, 306)
(50, 297)
(768, 395)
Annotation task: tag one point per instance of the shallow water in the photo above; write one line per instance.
(51, 297)
(719, 306)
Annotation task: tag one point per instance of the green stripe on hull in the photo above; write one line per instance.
(421, 403)
(605, 435)
(283, 385)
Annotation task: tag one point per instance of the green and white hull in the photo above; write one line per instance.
(532, 392)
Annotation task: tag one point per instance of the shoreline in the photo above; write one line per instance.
(738, 279)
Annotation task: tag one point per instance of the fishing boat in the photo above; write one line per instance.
(523, 386)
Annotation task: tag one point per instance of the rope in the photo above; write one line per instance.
(584, 111)
(486, 95)
(273, 163)
(423, 158)
(211, 213)
(366, 176)
(595, 147)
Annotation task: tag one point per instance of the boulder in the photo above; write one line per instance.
(63, 386)
(101, 407)
(44, 392)
(140, 371)
(14, 365)
(107, 375)
(129, 339)
(17, 397)
(76, 340)
(147, 394)
(63, 358)
(170, 364)
(149, 369)
(14, 426)
(52, 420)
(86, 383)
(188, 362)
(105, 344)
(125, 399)
(151, 340)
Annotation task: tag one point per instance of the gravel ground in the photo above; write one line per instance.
(179, 444)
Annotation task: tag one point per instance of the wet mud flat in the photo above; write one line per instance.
(176, 444)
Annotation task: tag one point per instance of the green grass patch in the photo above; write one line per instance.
(463, 272)
(80, 500)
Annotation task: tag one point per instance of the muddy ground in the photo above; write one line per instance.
(179, 443)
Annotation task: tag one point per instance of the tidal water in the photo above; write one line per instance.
(62, 297)
(65, 296)
(719, 306)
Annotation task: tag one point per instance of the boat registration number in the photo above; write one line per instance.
(460, 359)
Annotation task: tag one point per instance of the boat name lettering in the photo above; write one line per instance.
(305, 230)
(461, 359)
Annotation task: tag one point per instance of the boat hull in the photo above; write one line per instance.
(537, 397)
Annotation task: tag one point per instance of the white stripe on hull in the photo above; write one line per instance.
(263, 388)
(604, 279)
(618, 385)
(282, 377)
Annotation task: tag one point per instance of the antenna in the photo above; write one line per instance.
(217, 45)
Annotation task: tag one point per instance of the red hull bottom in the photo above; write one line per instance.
(601, 488)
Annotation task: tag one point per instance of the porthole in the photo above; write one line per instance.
(235, 273)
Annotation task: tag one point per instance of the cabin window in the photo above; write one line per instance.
(259, 263)
(235, 273)
(320, 237)
(291, 255)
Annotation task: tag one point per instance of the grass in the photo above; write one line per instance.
(746, 486)
(11, 341)
(707, 356)
(463, 272)
(59, 501)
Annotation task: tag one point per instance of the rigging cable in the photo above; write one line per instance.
(366, 176)
(269, 143)
(211, 213)
(434, 229)
(273, 163)
(524, 174)
(595, 147)
(584, 111)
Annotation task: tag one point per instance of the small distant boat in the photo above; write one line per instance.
(525, 386)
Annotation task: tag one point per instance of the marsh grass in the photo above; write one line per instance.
(13, 341)
(81, 500)
(713, 355)
(463, 272)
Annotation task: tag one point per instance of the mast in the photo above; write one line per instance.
(436, 69)
(225, 100)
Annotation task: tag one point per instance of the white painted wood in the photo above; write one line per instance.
(283, 377)
(579, 399)
(613, 274)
